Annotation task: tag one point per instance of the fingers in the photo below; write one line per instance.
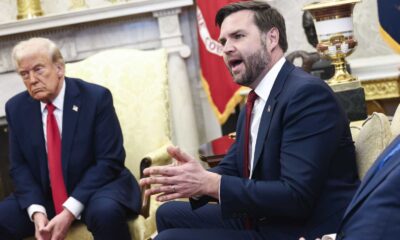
(168, 170)
(157, 180)
(179, 155)
(166, 193)
(162, 189)
(168, 197)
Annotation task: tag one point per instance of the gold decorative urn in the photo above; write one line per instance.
(334, 26)
(29, 9)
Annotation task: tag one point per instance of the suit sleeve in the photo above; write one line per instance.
(227, 166)
(108, 148)
(27, 189)
(312, 127)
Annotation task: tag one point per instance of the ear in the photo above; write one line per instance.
(60, 69)
(272, 39)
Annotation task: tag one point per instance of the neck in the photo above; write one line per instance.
(275, 57)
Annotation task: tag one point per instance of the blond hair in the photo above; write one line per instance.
(39, 44)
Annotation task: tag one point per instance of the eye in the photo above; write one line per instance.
(24, 75)
(39, 69)
(238, 36)
(222, 41)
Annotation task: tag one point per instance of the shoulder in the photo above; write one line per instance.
(299, 81)
(18, 100)
(84, 85)
(87, 89)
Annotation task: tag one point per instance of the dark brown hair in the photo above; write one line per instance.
(265, 17)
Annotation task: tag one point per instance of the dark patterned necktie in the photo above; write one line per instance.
(251, 98)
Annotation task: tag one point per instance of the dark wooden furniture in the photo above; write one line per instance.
(6, 186)
(213, 152)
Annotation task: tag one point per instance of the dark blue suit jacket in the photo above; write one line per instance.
(374, 212)
(92, 148)
(304, 171)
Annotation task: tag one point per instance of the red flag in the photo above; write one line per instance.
(222, 91)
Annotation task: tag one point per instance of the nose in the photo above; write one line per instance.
(228, 48)
(32, 77)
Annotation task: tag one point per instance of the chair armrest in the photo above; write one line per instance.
(155, 158)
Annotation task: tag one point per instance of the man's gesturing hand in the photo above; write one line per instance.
(183, 178)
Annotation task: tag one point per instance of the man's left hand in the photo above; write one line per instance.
(59, 225)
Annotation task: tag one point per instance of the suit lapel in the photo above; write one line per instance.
(373, 179)
(269, 109)
(33, 112)
(72, 102)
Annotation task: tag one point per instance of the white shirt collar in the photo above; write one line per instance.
(58, 101)
(264, 88)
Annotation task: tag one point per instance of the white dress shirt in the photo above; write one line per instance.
(73, 205)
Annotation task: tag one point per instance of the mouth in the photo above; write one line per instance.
(37, 90)
(235, 65)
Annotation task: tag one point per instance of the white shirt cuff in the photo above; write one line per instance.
(74, 206)
(329, 237)
(219, 191)
(35, 208)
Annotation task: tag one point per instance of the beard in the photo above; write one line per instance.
(254, 66)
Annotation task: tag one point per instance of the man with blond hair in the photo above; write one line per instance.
(66, 153)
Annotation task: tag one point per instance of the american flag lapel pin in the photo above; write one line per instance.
(75, 108)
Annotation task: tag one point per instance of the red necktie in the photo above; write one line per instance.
(251, 98)
(54, 160)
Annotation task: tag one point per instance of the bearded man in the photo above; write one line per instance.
(291, 171)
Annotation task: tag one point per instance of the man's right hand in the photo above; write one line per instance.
(40, 220)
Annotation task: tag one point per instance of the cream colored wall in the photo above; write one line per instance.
(365, 18)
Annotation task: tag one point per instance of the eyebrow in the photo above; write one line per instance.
(222, 39)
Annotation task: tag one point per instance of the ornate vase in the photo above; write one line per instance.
(29, 9)
(334, 26)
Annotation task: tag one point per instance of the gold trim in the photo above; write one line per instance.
(389, 40)
(381, 88)
(328, 3)
(78, 4)
(29, 9)
(230, 106)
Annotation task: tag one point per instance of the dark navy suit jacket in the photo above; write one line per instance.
(92, 148)
(304, 172)
(374, 212)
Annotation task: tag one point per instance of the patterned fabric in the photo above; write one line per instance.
(395, 125)
(373, 138)
(139, 85)
(251, 98)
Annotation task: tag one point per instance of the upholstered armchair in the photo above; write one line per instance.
(139, 85)
(372, 136)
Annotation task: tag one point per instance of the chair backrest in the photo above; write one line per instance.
(371, 137)
(139, 85)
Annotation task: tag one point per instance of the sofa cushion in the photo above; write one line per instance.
(395, 125)
(374, 136)
(355, 128)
